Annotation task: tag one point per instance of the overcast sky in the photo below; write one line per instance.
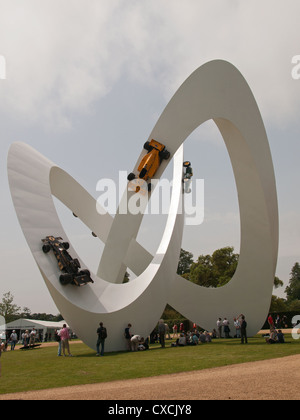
(86, 82)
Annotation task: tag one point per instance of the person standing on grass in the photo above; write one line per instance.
(13, 340)
(271, 322)
(102, 335)
(237, 327)
(226, 327)
(2, 347)
(26, 338)
(162, 332)
(32, 337)
(65, 337)
(128, 335)
(175, 331)
(244, 338)
(219, 327)
(58, 340)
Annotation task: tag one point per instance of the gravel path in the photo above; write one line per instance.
(275, 379)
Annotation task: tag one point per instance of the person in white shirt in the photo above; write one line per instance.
(13, 340)
(219, 327)
(226, 327)
(135, 341)
(32, 337)
(237, 326)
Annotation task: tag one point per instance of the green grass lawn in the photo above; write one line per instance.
(41, 368)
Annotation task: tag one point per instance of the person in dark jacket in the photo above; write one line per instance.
(102, 335)
(244, 338)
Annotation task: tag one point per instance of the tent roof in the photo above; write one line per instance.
(30, 323)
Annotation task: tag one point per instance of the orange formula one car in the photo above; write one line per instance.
(150, 162)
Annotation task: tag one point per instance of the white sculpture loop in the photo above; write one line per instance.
(214, 91)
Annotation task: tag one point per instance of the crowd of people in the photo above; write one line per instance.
(275, 336)
(185, 338)
(28, 339)
(239, 325)
(180, 337)
(192, 338)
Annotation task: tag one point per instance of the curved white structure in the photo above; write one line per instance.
(214, 91)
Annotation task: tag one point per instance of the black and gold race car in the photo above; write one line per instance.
(69, 266)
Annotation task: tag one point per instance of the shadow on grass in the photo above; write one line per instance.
(229, 343)
(117, 353)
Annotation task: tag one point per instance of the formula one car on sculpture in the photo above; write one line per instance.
(150, 162)
(69, 266)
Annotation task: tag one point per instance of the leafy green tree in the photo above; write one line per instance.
(8, 309)
(278, 304)
(202, 272)
(294, 305)
(225, 262)
(185, 262)
(215, 270)
(171, 313)
(293, 290)
(278, 283)
(26, 313)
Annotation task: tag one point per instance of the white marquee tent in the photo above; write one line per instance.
(42, 327)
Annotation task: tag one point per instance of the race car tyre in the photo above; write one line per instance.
(86, 273)
(165, 154)
(76, 262)
(147, 146)
(149, 186)
(66, 245)
(46, 248)
(131, 176)
(143, 173)
(65, 279)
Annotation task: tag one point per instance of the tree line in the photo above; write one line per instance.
(214, 270)
(10, 311)
(217, 269)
